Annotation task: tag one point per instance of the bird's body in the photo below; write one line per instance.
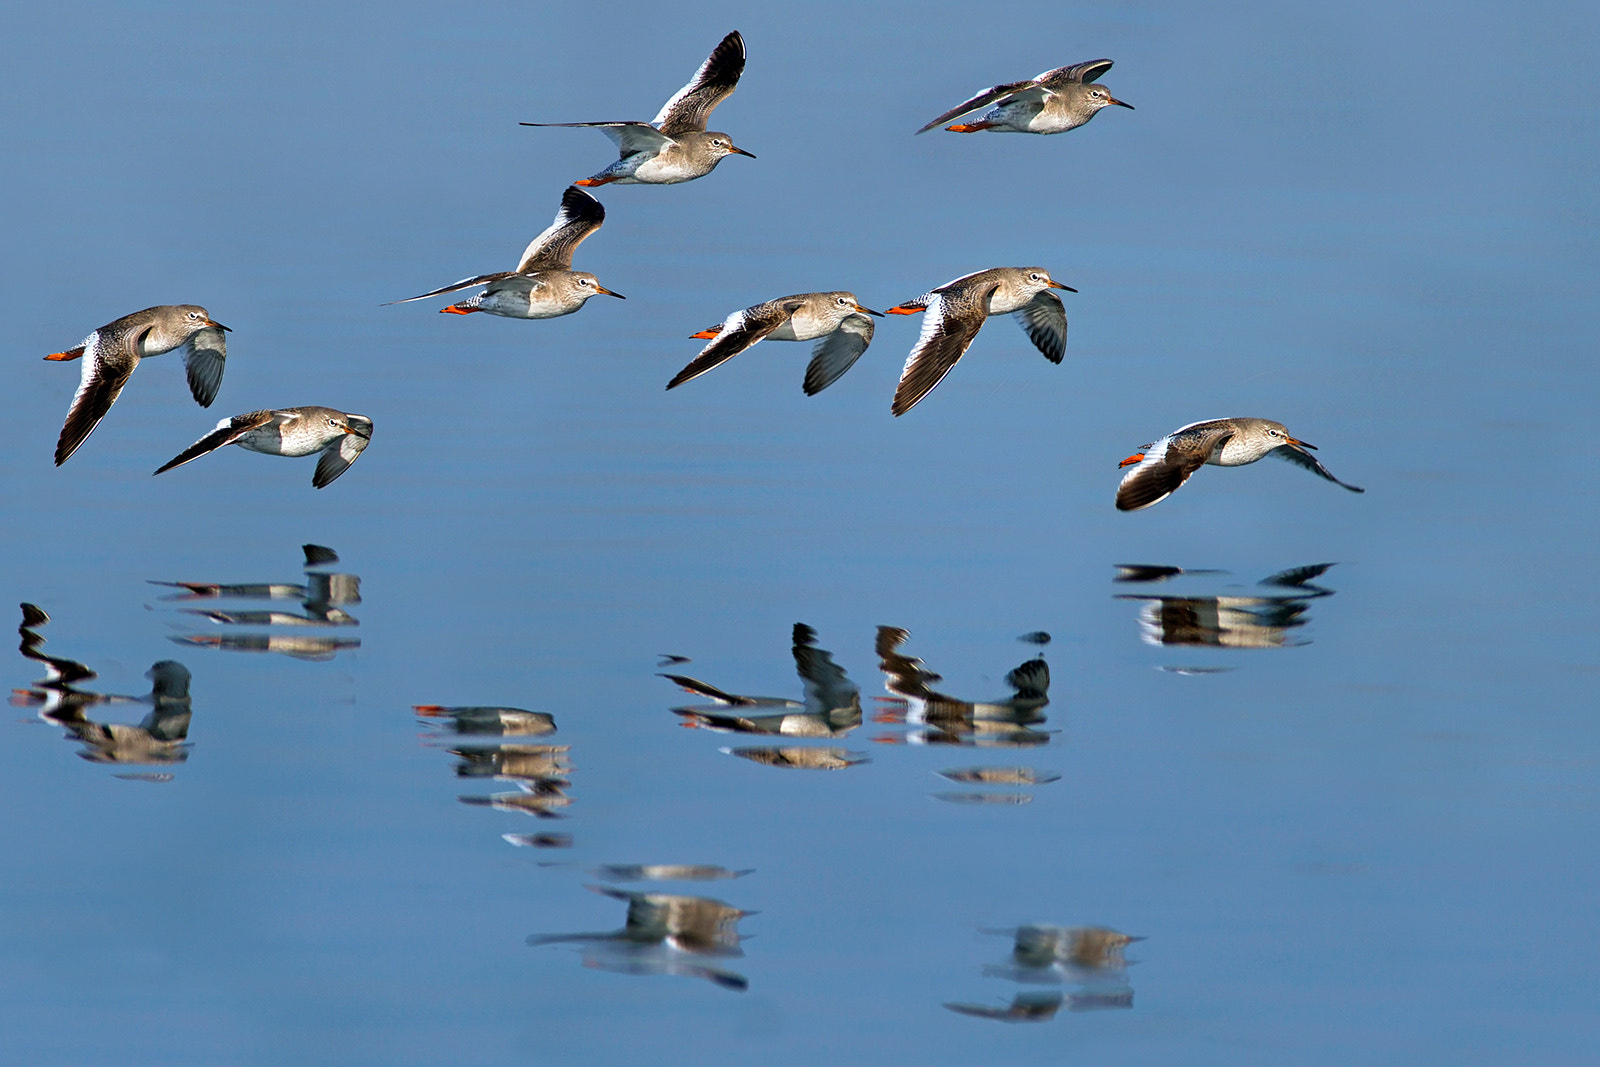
(676, 146)
(957, 310)
(1166, 464)
(836, 321)
(111, 353)
(544, 285)
(1054, 102)
(339, 436)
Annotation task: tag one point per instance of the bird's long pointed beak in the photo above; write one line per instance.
(218, 325)
(608, 292)
(741, 151)
(868, 311)
(1057, 285)
(1122, 103)
(1300, 444)
(347, 428)
(1137, 457)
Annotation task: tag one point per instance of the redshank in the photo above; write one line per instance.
(544, 285)
(675, 147)
(956, 311)
(112, 352)
(1166, 464)
(836, 321)
(340, 437)
(1054, 102)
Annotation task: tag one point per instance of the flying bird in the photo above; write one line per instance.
(956, 311)
(340, 437)
(836, 321)
(675, 147)
(1166, 464)
(1054, 102)
(544, 285)
(111, 353)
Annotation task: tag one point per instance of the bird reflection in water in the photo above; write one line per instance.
(488, 742)
(1089, 957)
(1017, 778)
(667, 872)
(1262, 621)
(159, 739)
(941, 719)
(831, 709)
(322, 596)
(664, 934)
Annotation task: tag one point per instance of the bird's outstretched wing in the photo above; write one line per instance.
(690, 107)
(227, 432)
(1168, 464)
(338, 456)
(837, 352)
(106, 369)
(983, 99)
(1305, 459)
(629, 137)
(947, 332)
(738, 332)
(580, 215)
(204, 356)
(1084, 73)
(1044, 320)
(464, 283)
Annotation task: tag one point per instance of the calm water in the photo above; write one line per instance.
(1352, 810)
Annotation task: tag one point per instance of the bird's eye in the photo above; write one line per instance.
(1035, 277)
(583, 281)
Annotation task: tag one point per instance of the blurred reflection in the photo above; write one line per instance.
(526, 762)
(1090, 957)
(664, 934)
(538, 840)
(161, 738)
(321, 596)
(831, 709)
(1264, 621)
(666, 872)
(816, 759)
(1146, 572)
(1019, 778)
(540, 797)
(504, 721)
(945, 720)
(1000, 775)
(488, 742)
(1023, 1008)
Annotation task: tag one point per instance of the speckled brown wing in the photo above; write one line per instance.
(1168, 463)
(739, 331)
(580, 215)
(109, 360)
(690, 107)
(950, 323)
(227, 432)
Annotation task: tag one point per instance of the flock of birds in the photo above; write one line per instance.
(676, 147)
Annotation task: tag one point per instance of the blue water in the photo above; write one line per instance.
(1372, 841)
